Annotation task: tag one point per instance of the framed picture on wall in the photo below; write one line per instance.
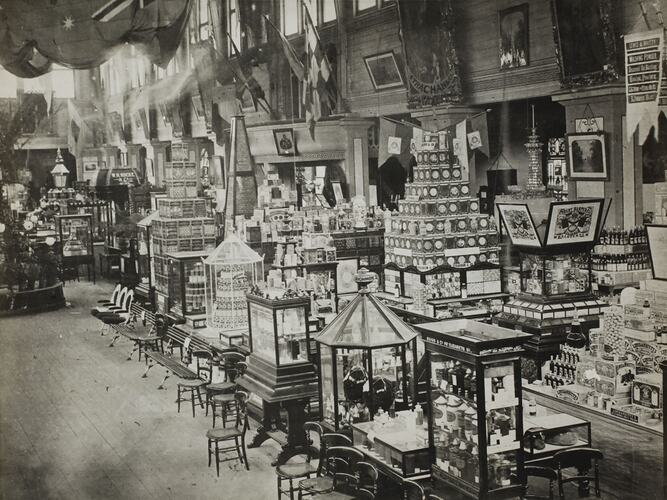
(513, 25)
(657, 247)
(585, 41)
(284, 138)
(573, 222)
(519, 224)
(587, 155)
(383, 70)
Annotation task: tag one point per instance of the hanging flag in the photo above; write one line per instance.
(74, 130)
(319, 95)
(81, 34)
(643, 69)
(395, 139)
(246, 81)
(293, 60)
(478, 139)
(461, 148)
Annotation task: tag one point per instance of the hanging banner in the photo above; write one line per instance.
(431, 63)
(643, 69)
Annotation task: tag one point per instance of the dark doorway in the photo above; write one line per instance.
(391, 182)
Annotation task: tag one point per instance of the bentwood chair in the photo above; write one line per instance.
(345, 476)
(225, 402)
(323, 481)
(228, 362)
(582, 459)
(367, 480)
(413, 491)
(544, 473)
(292, 472)
(221, 436)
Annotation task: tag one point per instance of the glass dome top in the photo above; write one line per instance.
(233, 251)
(366, 323)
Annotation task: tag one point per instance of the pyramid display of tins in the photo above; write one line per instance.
(439, 224)
(183, 226)
(231, 270)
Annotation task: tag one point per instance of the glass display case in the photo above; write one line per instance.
(398, 446)
(76, 241)
(547, 434)
(187, 286)
(476, 416)
(279, 332)
(231, 270)
(552, 275)
(367, 362)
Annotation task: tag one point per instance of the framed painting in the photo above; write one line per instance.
(587, 156)
(585, 39)
(513, 25)
(573, 222)
(519, 224)
(657, 247)
(383, 71)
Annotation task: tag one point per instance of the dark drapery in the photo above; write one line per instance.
(81, 34)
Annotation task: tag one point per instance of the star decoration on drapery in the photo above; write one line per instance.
(68, 23)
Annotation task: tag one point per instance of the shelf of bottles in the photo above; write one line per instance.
(562, 367)
(476, 410)
(621, 259)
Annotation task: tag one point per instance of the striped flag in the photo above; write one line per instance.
(319, 93)
(111, 9)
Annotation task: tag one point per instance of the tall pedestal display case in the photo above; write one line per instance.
(555, 276)
(476, 415)
(280, 375)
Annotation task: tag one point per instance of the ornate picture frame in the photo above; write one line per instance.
(584, 35)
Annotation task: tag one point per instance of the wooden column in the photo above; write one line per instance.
(356, 154)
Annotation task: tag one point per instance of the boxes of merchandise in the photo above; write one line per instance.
(635, 413)
(615, 377)
(574, 393)
(647, 390)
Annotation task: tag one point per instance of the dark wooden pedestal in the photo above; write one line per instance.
(292, 436)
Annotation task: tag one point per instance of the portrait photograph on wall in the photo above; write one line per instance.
(284, 139)
(513, 23)
(587, 156)
(573, 222)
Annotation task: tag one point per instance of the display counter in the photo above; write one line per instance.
(396, 446)
(633, 455)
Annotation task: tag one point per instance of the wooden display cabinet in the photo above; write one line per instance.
(475, 416)
(280, 375)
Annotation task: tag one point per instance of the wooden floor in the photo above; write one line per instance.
(77, 421)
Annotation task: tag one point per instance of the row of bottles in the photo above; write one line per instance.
(620, 262)
(458, 380)
(562, 367)
(617, 236)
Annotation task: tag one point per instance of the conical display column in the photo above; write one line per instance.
(439, 238)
